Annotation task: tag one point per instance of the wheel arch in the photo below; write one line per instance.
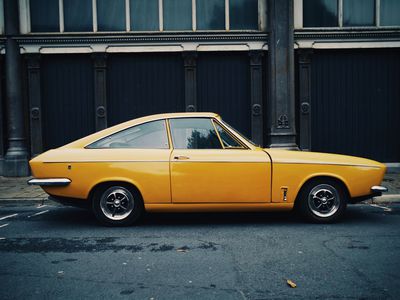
(316, 177)
(114, 181)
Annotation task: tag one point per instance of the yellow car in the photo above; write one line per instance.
(195, 162)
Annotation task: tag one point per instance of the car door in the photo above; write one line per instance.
(209, 166)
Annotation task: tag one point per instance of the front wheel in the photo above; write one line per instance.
(323, 201)
(117, 205)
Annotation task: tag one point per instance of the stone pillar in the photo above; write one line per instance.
(16, 158)
(281, 105)
(257, 132)
(100, 90)
(305, 98)
(189, 61)
(35, 103)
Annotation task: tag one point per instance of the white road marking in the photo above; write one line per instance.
(9, 216)
(4, 225)
(2, 238)
(40, 206)
(383, 207)
(39, 213)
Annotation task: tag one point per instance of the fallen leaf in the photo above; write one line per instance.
(291, 284)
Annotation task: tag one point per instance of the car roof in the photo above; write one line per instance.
(181, 115)
(171, 116)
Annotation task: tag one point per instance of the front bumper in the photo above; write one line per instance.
(49, 181)
(379, 189)
(376, 191)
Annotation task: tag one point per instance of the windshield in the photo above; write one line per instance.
(239, 133)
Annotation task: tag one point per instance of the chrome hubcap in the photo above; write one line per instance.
(324, 200)
(117, 203)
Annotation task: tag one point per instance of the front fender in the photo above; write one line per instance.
(357, 179)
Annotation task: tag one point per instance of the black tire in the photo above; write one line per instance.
(117, 204)
(322, 200)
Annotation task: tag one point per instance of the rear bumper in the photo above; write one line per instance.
(49, 181)
(376, 191)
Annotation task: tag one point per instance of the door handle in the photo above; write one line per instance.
(181, 157)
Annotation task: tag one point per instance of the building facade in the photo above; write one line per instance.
(320, 75)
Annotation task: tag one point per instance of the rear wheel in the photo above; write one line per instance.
(323, 201)
(117, 204)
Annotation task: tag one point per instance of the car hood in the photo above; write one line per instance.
(304, 157)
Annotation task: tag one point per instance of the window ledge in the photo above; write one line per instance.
(348, 29)
(347, 34)
(138, 38)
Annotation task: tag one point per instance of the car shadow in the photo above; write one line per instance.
(236, 218)
(75, 217)
(81, 217)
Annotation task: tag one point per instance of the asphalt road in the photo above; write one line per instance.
(54, 252)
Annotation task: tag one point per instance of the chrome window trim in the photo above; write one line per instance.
(230, 133)
(237, 135)
(127, 128)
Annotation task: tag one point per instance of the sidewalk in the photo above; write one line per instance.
(392, 182)
(18, 189)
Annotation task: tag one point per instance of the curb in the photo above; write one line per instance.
(25, 201)
(391, 198)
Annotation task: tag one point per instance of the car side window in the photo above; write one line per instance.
(227, 140)
(194, 133)
(151, 135)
